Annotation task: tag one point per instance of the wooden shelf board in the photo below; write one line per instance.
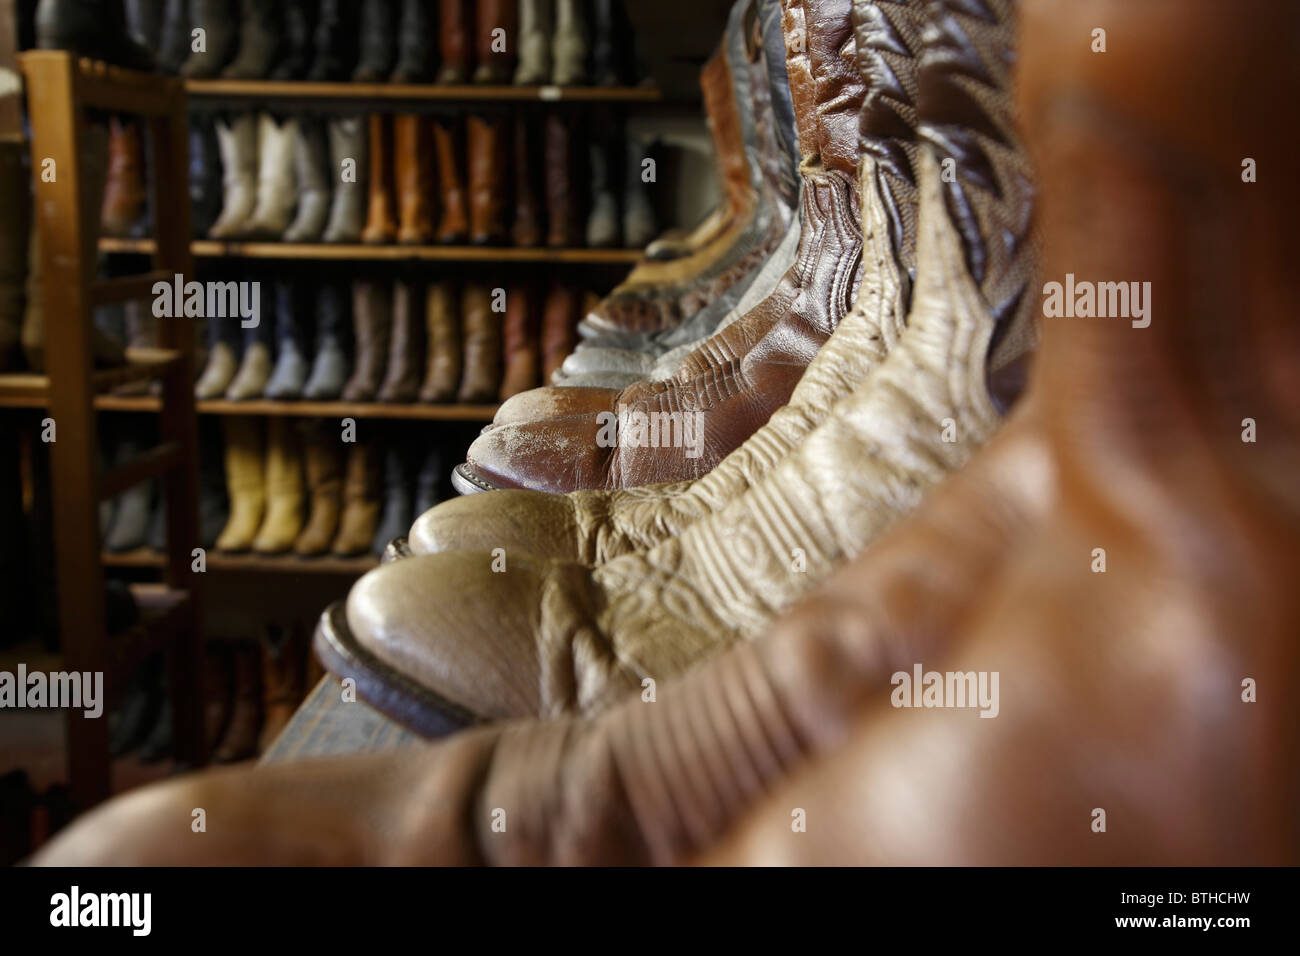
(421, 92)
(289, 564)
(212, 249)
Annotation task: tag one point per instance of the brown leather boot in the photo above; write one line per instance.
(482, 338)
(526, 231)
(283, 671)
(487, 179)
(496, 31)
(454, 19)
(381, 221)
(413, 155)
(324, 489)
(284, 490)
(124, 193)
(402, 383)
(240, 739)
(442, 326)
(520, 339)
(361, 501)
(453, 226)
(559, 328)
(563, 212)
(372, 322)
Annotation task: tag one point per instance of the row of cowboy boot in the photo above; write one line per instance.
(1121, 682)
(288, 494)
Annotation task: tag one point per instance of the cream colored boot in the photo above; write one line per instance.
(245, 483)
(284, 489)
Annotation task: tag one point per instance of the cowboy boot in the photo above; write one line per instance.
(482, 338)
(415, 55)
(335, 42)
(413, 157)
(219, 39)
(293, 309)
(399, 498)
(453, 41)
(562, 213)
(559, 335)
(260, 40)
(535, 17)
(526, 229)
(406, 347)
(237, 139)
(442, 327)
(205, 175)
(381, 224)
(520, 340)
(284, 490)
(378, 41)
(329, 369)
(372, 322)
(144, 21)
(124, 192)
(129, 528)
(361, 493)
(96, 29)
(283, 674)
(245, 483)
(324, 487)
(255, 365)
(297, 41)
(496, 27)
(603, 221)
(15, 238)
(222, 364)
(724, 577)
(240, 739)
(487, 180)
(428, 482)
(350, 171)
(638, 212)
(173, 42)
(311, 159)
(611, 47)
(453, 226)
(569, 46)
(277, 187)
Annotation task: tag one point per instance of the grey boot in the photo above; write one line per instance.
(238, 142)
(602, 224)
(292, 313)
(330, 368)
(347, 136)
(638, 212)
(129, 528)
(570, 44)
(535, 25)
(216, 18)
(399, 501)
(427, 485)
(174, 38)
(312, 162)
(261, 35)
(277, 181)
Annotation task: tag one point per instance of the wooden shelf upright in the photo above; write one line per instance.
(61, 92)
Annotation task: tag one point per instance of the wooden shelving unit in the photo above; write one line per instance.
(255, 563)
(212, 249)
(32, 391)
(372, 93)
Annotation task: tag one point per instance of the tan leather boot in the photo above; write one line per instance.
(918, 415)
(522, 356)
(442, 325)
(245, 483)
(240, 739)
(325, 488)
(413, 156)
(381, 217)
(488, 186)
(481, 326)
(559, 328)
(372, 322)
(124, 194)
(361, 491)
(406, 346)
(453, 226)
(284, 490)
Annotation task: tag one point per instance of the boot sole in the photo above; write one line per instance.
(390, 692)
(465, 482)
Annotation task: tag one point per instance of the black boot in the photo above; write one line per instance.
(139, 712)
(92, 28)
(260, 36)
(214, 505)
(415, 43)
(293, 309)
(378, 41)
(335, 43)
(333, 362)
(399, 499)
(144, 18)
(216, 18)
(205, 174)
(299, 26)
(611, 42)
(428, 486)
(174, 38)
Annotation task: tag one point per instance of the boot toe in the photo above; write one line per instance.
(540, 404)
(556, 456)
(538, 524)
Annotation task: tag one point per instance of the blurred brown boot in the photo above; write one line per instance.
(124, 192)
(527, 228)
(559, 329)
(240, 740)
(283, 673)
(442, 328)
(496, 31)
(324, 488)
(453, 227)
(487, 180)
(522, 355)
(413, 156)
(361, 489)
(406, 346)
(454, 41)
(482, 335)
(381, 221)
